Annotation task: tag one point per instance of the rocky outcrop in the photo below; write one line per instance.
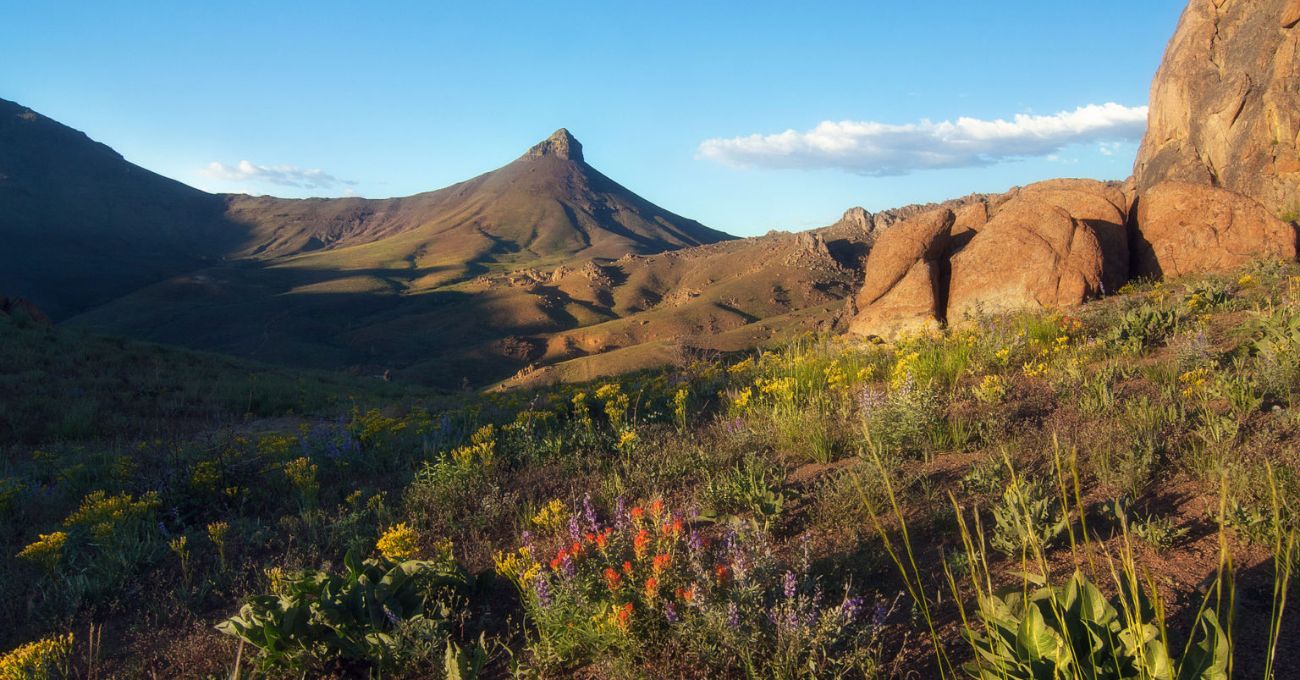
(1054, 244)
(904, 285)
(1051, 244)
(1225, 103)
(560, 144)
(1187, 228)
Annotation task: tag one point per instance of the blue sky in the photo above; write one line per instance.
(686, 103)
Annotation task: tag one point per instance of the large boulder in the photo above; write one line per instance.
(1225, 103)
(903, 290)
(1053, 244)
(1184, 228)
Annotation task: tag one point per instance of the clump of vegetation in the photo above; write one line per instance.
(730, 516)
(313, 619)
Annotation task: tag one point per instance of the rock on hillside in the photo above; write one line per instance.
(1050, 244)
(906, 275)
(1189, 228)
(1225, 104)
(1053, 244)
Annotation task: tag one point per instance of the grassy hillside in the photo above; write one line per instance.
(834, 508)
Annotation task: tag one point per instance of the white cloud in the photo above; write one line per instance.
(873, 148)
(1110, 148)
(282, 175)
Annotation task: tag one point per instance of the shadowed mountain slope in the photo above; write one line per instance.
(80, 225)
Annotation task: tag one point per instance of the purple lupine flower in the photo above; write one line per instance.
(567, 569)
(392, 618)
(575, 529)
(879, 614)
(734, 426)
(589, 513)
(670, 612)
(851, 607)
(695, 542)
(543, 590)
(733, 615)
(527, 538)
(790, 585)
(620, 513)
(869, 399)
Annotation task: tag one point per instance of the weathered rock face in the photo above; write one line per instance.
(1054, 244)
(1191, 228)
(1051, 244)
(1225, 104)
(904, 283)
(560, 144)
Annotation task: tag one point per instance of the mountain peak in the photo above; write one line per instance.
(560, 144)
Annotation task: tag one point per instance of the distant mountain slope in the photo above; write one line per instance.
(79, 225)
(547, 205)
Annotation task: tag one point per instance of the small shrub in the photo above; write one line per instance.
(47, 658)
(1142, 327)
(1026, 517)
(313, 619)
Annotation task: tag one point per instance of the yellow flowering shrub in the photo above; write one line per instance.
(552, 515)
(105, 515)
(399, 542)
(47, 550)
(904, 370)
(481, 450)
(520, 567)
(45, 658)
(991, 390)
(1195, 382)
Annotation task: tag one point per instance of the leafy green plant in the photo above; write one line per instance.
(985, 477)
(751, 486)
(1142, 326)
(313, 618)
(1026, 516)
(1072, 631)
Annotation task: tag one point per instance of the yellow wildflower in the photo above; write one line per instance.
(400, 542)
(991, 389)
(47, 551)
(552, 516)
(519, 566)
(45, 658)
(741, 398)
(1034, 369)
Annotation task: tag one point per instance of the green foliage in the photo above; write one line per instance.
(1072, 631)
(1026, 517)
(314, 618)
(751, 486)
(1142, 326)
